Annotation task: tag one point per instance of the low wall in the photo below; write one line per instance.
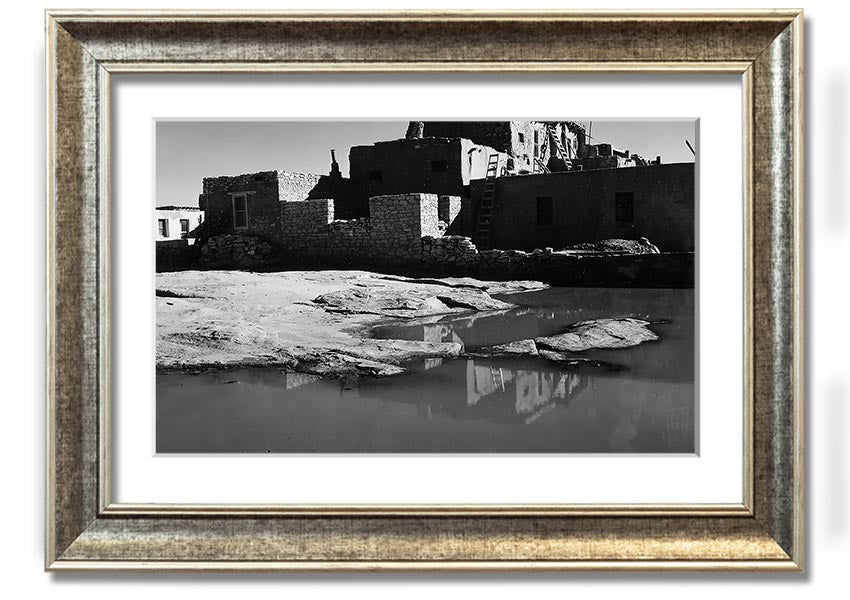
(391, 235)
(458, 256)
(405, 234)
(237, 250)
(176, 255)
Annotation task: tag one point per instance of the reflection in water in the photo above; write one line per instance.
(463, 405)
(531, 391)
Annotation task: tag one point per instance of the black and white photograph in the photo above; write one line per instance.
(424, 286)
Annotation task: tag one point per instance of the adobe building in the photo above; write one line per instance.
(251, 203)
(532, 144)
(472, 196)
(177, 222)
(564, 209)
(432, 165)
(540, 146)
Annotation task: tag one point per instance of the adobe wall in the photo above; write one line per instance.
(496, 134)
(173, 216)
(583, 208)
(512, 137)
(412, 167)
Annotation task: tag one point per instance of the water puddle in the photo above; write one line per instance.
(467, 404)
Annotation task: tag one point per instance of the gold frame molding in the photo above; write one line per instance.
(87, 531)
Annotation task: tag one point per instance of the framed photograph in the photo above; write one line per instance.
(424, 291)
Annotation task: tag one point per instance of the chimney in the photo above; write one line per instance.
(335, 172)
(415, 130)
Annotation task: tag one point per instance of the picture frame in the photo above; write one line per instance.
(86, 530)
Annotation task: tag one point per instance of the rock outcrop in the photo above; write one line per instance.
(598, 334)
(580, 337)
(314, 322)
(407, 303)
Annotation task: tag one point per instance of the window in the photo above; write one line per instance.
(544, 210)
(162, 224)
(439, 166)
(536, 143)
(240, 211)
(624, 207)
(184, 227)
(521, 138)
(376, 176)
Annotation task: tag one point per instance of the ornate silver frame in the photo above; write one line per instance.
(86, 530)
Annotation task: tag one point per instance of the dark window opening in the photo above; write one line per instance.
(376, 176)
(521, 138)
(184, 227)
(624, 207)
(544, 210)
(240, 211)
(162, 225)
(439, 166)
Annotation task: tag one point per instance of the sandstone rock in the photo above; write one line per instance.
(406, 303)
(372, 301)
(471, 299)
(517, 348)
(600, 333)
(401, 351)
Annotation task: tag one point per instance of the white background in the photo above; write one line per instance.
(22, 359)
(714, 476)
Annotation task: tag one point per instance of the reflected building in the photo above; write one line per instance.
(530, 392)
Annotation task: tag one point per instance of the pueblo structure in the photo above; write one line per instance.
(500, 200)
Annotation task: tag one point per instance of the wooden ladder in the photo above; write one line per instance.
(553, 133)
(485, 211)
(498, 378)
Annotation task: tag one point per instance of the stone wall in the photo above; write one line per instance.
(392, 235)
(265, 191)
(262, 203)
(457, 255)
(294, 186)
(236, 250)
(448, 211)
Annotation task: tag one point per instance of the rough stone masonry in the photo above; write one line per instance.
(407, 232)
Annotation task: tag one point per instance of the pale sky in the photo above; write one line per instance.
(188, 151)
